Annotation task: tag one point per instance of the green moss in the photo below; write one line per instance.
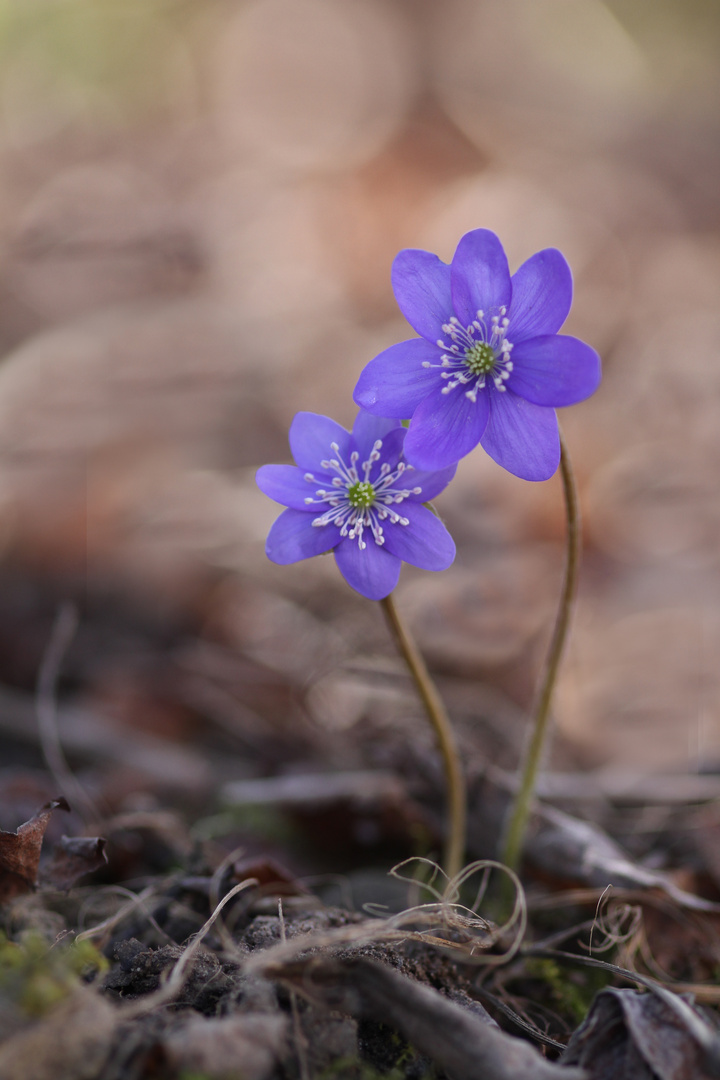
(263, 821)
(356, 1069)
(572, 991)
(112, 59)
(35, 976)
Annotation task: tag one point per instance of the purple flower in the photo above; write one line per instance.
(489, 366)
(343, 495)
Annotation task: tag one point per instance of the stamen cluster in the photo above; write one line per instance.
(468, 357)
(357, 504)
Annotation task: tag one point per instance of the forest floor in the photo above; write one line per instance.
(224, 901)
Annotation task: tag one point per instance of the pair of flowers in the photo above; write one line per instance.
(489, 367)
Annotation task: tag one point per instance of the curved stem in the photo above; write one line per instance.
(438, 717)
(514, 838)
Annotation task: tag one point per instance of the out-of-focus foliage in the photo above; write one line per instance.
(35, 976)
(681, 41)
(104, 62)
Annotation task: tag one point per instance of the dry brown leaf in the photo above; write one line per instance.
(568, 848)
(74, 857)
(20, 852)
(576, 850)
(632, 1036)
(271, 875)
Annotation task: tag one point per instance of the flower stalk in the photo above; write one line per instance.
(454, 851)
(514, 838)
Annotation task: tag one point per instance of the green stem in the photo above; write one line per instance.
(514, 838)
(438, 717)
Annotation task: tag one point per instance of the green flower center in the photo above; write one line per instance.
(361, 495)
(480, 358)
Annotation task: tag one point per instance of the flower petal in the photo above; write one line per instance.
(371, 571)
(390, 454)
(430, 483)
(395, 382)
(554, 370)
(390, 451)
(522, 437)
(294, 537)
(542, 292)
(425, 542)
(444, 428)
(311, 438)
(287, 485)
(421, 283)
(480, 275)
(368, 428)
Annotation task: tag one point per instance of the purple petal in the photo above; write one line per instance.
(421, 283)
(480, 276)
(390, 452)
(368, 428)
(522, 437)
(554, 370)
(444, 428)
(372, 571)
(425, 542)
(542, 292)
(430, 483)
(294, 537)
(311, 438)
(287, 485)
(395, 382)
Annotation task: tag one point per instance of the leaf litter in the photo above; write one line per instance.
(272, 979)
(73, 857)
(210, 950)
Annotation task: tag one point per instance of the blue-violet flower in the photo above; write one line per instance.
(354, 494)
(489, 366)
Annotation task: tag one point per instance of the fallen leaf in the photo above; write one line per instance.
(577, 850)
(565, 847)
(20, 852)
(74, 857)
(628, 1035)
(269, 874)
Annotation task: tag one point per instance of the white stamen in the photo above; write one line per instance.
(459, 363)
(353, 521)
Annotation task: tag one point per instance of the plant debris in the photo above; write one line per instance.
(461, 1041)
(73, 858)
(20, 851)
(210, 969)
(640, 1036)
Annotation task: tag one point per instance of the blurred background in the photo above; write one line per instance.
(200, 201)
